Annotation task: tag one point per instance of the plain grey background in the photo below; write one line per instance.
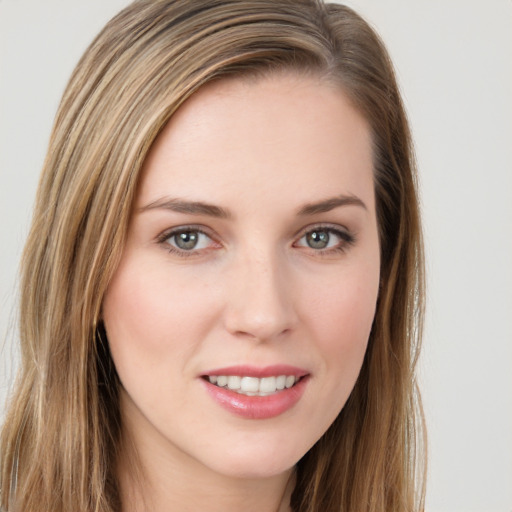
(454, 64)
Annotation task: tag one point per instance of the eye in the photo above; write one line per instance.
(325, 239)
(186, 240)
(318, 239)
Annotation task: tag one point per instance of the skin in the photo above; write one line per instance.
(253, 291)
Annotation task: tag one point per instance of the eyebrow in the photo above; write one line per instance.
(189, 207)
(211, 210)
(327, 205)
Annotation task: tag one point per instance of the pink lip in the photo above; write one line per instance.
(258, 407)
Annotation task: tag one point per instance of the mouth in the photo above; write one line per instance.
(254, 386)
(256, 393)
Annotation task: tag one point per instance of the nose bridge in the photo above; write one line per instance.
(260, 302)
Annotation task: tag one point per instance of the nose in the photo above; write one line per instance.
(260, 303)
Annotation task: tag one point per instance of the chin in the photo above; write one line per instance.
(257, 462)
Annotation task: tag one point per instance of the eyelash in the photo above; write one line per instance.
(164, 238)
(346, 240)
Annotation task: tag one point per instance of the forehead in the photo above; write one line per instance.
(285, 134)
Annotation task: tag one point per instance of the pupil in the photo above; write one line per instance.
(186, 240)
(318, 239)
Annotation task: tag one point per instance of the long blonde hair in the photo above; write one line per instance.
(61, 436)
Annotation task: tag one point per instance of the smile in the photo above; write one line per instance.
(254, 386)
(256, 393)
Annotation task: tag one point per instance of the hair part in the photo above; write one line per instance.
(62, 433)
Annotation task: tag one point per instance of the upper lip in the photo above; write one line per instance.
(258, 371)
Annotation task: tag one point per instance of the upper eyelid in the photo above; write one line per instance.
(167, 233)
(323, 225)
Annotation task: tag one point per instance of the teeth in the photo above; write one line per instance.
(281, 382)
(268, 385)
(234, 382)
(252, 386)
(290, 381)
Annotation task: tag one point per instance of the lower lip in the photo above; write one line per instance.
(257, 407)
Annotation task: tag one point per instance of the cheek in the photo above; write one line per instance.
(340, 313)
(132, 313)
(132, 332)
(341, 317)
(153, 316)
(152, 331)
(344, 314)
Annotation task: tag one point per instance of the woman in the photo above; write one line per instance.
(222, 287)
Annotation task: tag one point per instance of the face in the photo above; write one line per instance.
(239, 315)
